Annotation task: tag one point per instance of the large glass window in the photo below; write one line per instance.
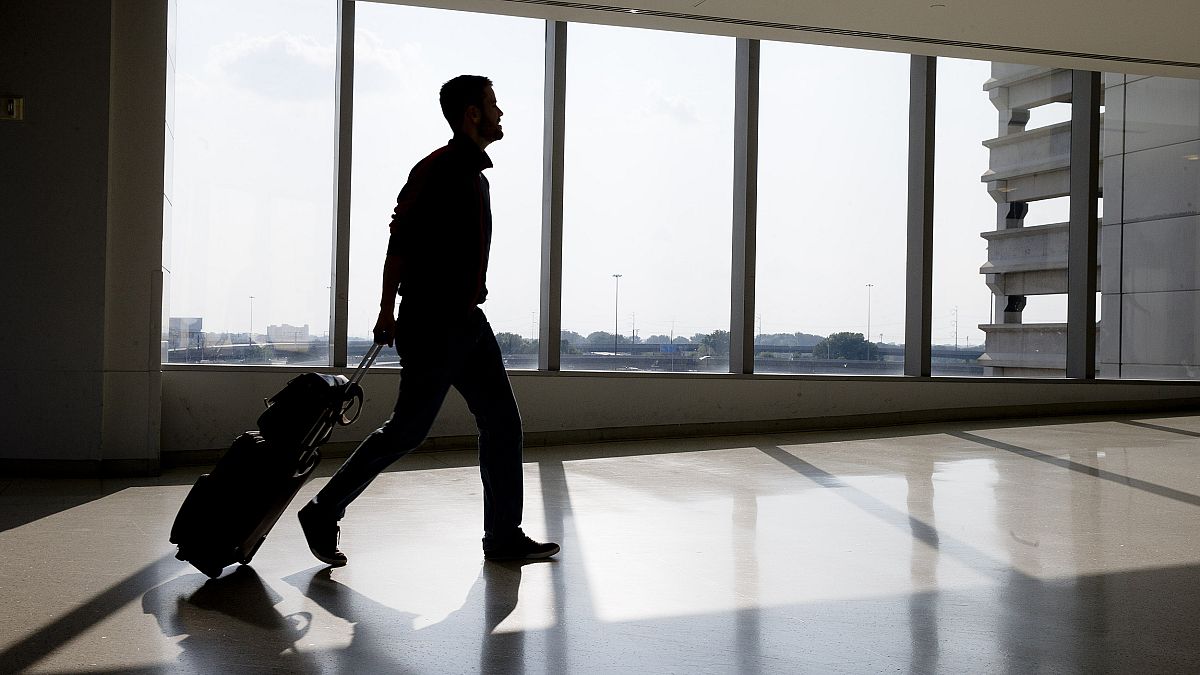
(647, 196)
(253, 156)
(403, 55)
(832, 216)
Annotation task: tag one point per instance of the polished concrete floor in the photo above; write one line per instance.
(1064, 545)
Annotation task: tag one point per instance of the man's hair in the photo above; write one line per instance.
(460, 93)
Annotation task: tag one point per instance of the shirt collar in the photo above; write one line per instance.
(470, 151)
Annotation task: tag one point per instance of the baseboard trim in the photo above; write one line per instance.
(79, 468)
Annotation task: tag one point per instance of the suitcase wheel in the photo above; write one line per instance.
(210, 569)
(210, 572)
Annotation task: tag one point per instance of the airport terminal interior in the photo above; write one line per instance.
(847, 337)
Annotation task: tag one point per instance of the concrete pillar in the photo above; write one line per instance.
(133, 280)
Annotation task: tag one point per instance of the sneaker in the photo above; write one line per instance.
(518, 547)
(322, 534)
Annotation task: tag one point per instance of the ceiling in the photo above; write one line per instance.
(1159, 37)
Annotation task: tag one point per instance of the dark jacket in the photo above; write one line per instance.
(442, 229)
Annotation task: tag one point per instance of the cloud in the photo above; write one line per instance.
(680, 109)
(377, 64)
(282, 65)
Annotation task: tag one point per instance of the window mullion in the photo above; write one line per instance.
(549, 336)
(745, 206)
(343, 121)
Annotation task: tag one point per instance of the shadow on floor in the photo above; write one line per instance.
(1095, 472)
(28, 651)
(1136, 621)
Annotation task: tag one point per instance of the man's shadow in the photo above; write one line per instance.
(385, 639)
(230, 623)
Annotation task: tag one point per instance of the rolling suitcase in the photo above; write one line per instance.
(228, 512)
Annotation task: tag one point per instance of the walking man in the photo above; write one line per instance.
(436, 262)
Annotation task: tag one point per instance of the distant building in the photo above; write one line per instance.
(184, 331)
(287, 333)
(1150, 149)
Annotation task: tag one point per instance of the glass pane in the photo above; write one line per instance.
(1151, 233)
(403, 55)
(253, 159)
(648, 196)
(1002, 171)
(833, 177)
(962, 210)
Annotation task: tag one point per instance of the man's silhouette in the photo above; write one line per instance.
(437, 262)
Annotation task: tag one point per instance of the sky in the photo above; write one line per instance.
(648, 173)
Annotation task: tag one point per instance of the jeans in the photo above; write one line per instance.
(435, 356)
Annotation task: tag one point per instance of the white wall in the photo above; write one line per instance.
(205, 408)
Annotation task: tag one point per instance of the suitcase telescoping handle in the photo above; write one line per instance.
(351, 392)
(367, 361)
(308, 458)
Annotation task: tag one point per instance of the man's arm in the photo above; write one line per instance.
(385, 325)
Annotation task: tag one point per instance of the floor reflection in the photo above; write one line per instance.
(384, 639)
(748, 624)
(1066, 548)
(1085, 468)
(923, 562)
(1078, 625)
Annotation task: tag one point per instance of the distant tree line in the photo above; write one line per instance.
(714, 343)
(848, 346)
(844, 345)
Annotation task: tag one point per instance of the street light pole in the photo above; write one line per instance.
(616, 311)
(869, 287)
(956, 328)
(251, 340)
